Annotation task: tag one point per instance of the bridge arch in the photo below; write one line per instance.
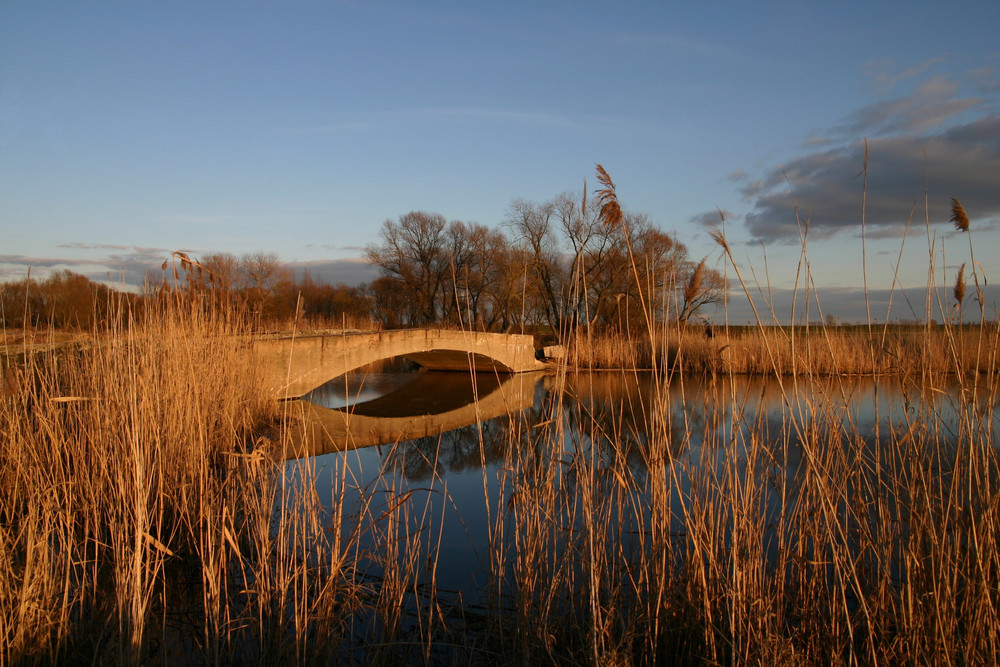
(293, 366)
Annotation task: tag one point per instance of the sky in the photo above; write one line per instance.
(129, 130)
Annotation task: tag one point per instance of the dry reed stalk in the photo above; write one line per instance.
(688, 521)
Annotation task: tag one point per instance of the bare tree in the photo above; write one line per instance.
(531, 225)
(260, 271)
(703, 286)
(414, 252)
(223, 270)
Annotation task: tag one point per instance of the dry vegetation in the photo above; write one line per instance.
(146, 512)
(820, 350)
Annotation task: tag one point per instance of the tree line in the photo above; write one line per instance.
(548, 265)
(255, 286)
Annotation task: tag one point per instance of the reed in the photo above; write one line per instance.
(151, 504)
(816, 350)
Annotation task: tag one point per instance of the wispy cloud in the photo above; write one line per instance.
(198, 219)
(883, 77)
(986, 80)
(346, 127)
(108, 246)
(348, 271)
(675, 42)
(933, 104)
(92, 246)
(452, 114)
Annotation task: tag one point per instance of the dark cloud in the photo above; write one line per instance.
(825, 187)
(713, 217)
(338, 271)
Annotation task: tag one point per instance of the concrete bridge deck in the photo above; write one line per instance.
(293, 366)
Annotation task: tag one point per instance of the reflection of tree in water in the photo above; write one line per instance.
(620, 418)
(624, 419)
(451, 452)
(625, 416)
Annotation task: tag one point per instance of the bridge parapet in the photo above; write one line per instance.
(295, 365)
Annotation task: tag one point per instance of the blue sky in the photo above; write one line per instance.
(132, 129)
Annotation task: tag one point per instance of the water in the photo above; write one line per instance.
(459, 448)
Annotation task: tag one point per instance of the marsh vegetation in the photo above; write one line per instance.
(152, 508)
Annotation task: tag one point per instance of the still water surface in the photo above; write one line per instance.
(454, 439)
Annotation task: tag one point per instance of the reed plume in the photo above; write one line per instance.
(611, 211)
(693, 287)
(959, 290)
(958, 216)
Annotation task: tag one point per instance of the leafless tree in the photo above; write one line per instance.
(531, 225)
(413, 250)
(702, 287)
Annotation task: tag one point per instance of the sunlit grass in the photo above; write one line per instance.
(147, 509)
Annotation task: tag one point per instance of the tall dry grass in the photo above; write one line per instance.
(148, 513)
(138, 478)
(749, 534)
(816, 350)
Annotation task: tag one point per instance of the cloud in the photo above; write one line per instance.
(825, 187)
(676, 42)
(713, 217)
(882, 79)
(118, 269)
(932, 104)
(847, 305)
(332, 246)
(986, 79)
(348, 271)
(128, 270)
(92, 246)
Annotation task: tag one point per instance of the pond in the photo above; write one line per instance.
(462, 452)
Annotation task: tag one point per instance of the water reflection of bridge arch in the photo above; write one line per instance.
(326, 430)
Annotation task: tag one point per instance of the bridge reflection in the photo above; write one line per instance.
(432, 404)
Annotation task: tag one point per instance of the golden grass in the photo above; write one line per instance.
(819, 350)
(143, 482)
(139, 480)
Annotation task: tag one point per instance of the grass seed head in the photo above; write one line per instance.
(960, 285)
(611, 211)
(958, 216)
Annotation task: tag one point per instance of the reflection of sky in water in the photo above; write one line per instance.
(364, 384)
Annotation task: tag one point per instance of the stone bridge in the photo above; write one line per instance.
(293, 366)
